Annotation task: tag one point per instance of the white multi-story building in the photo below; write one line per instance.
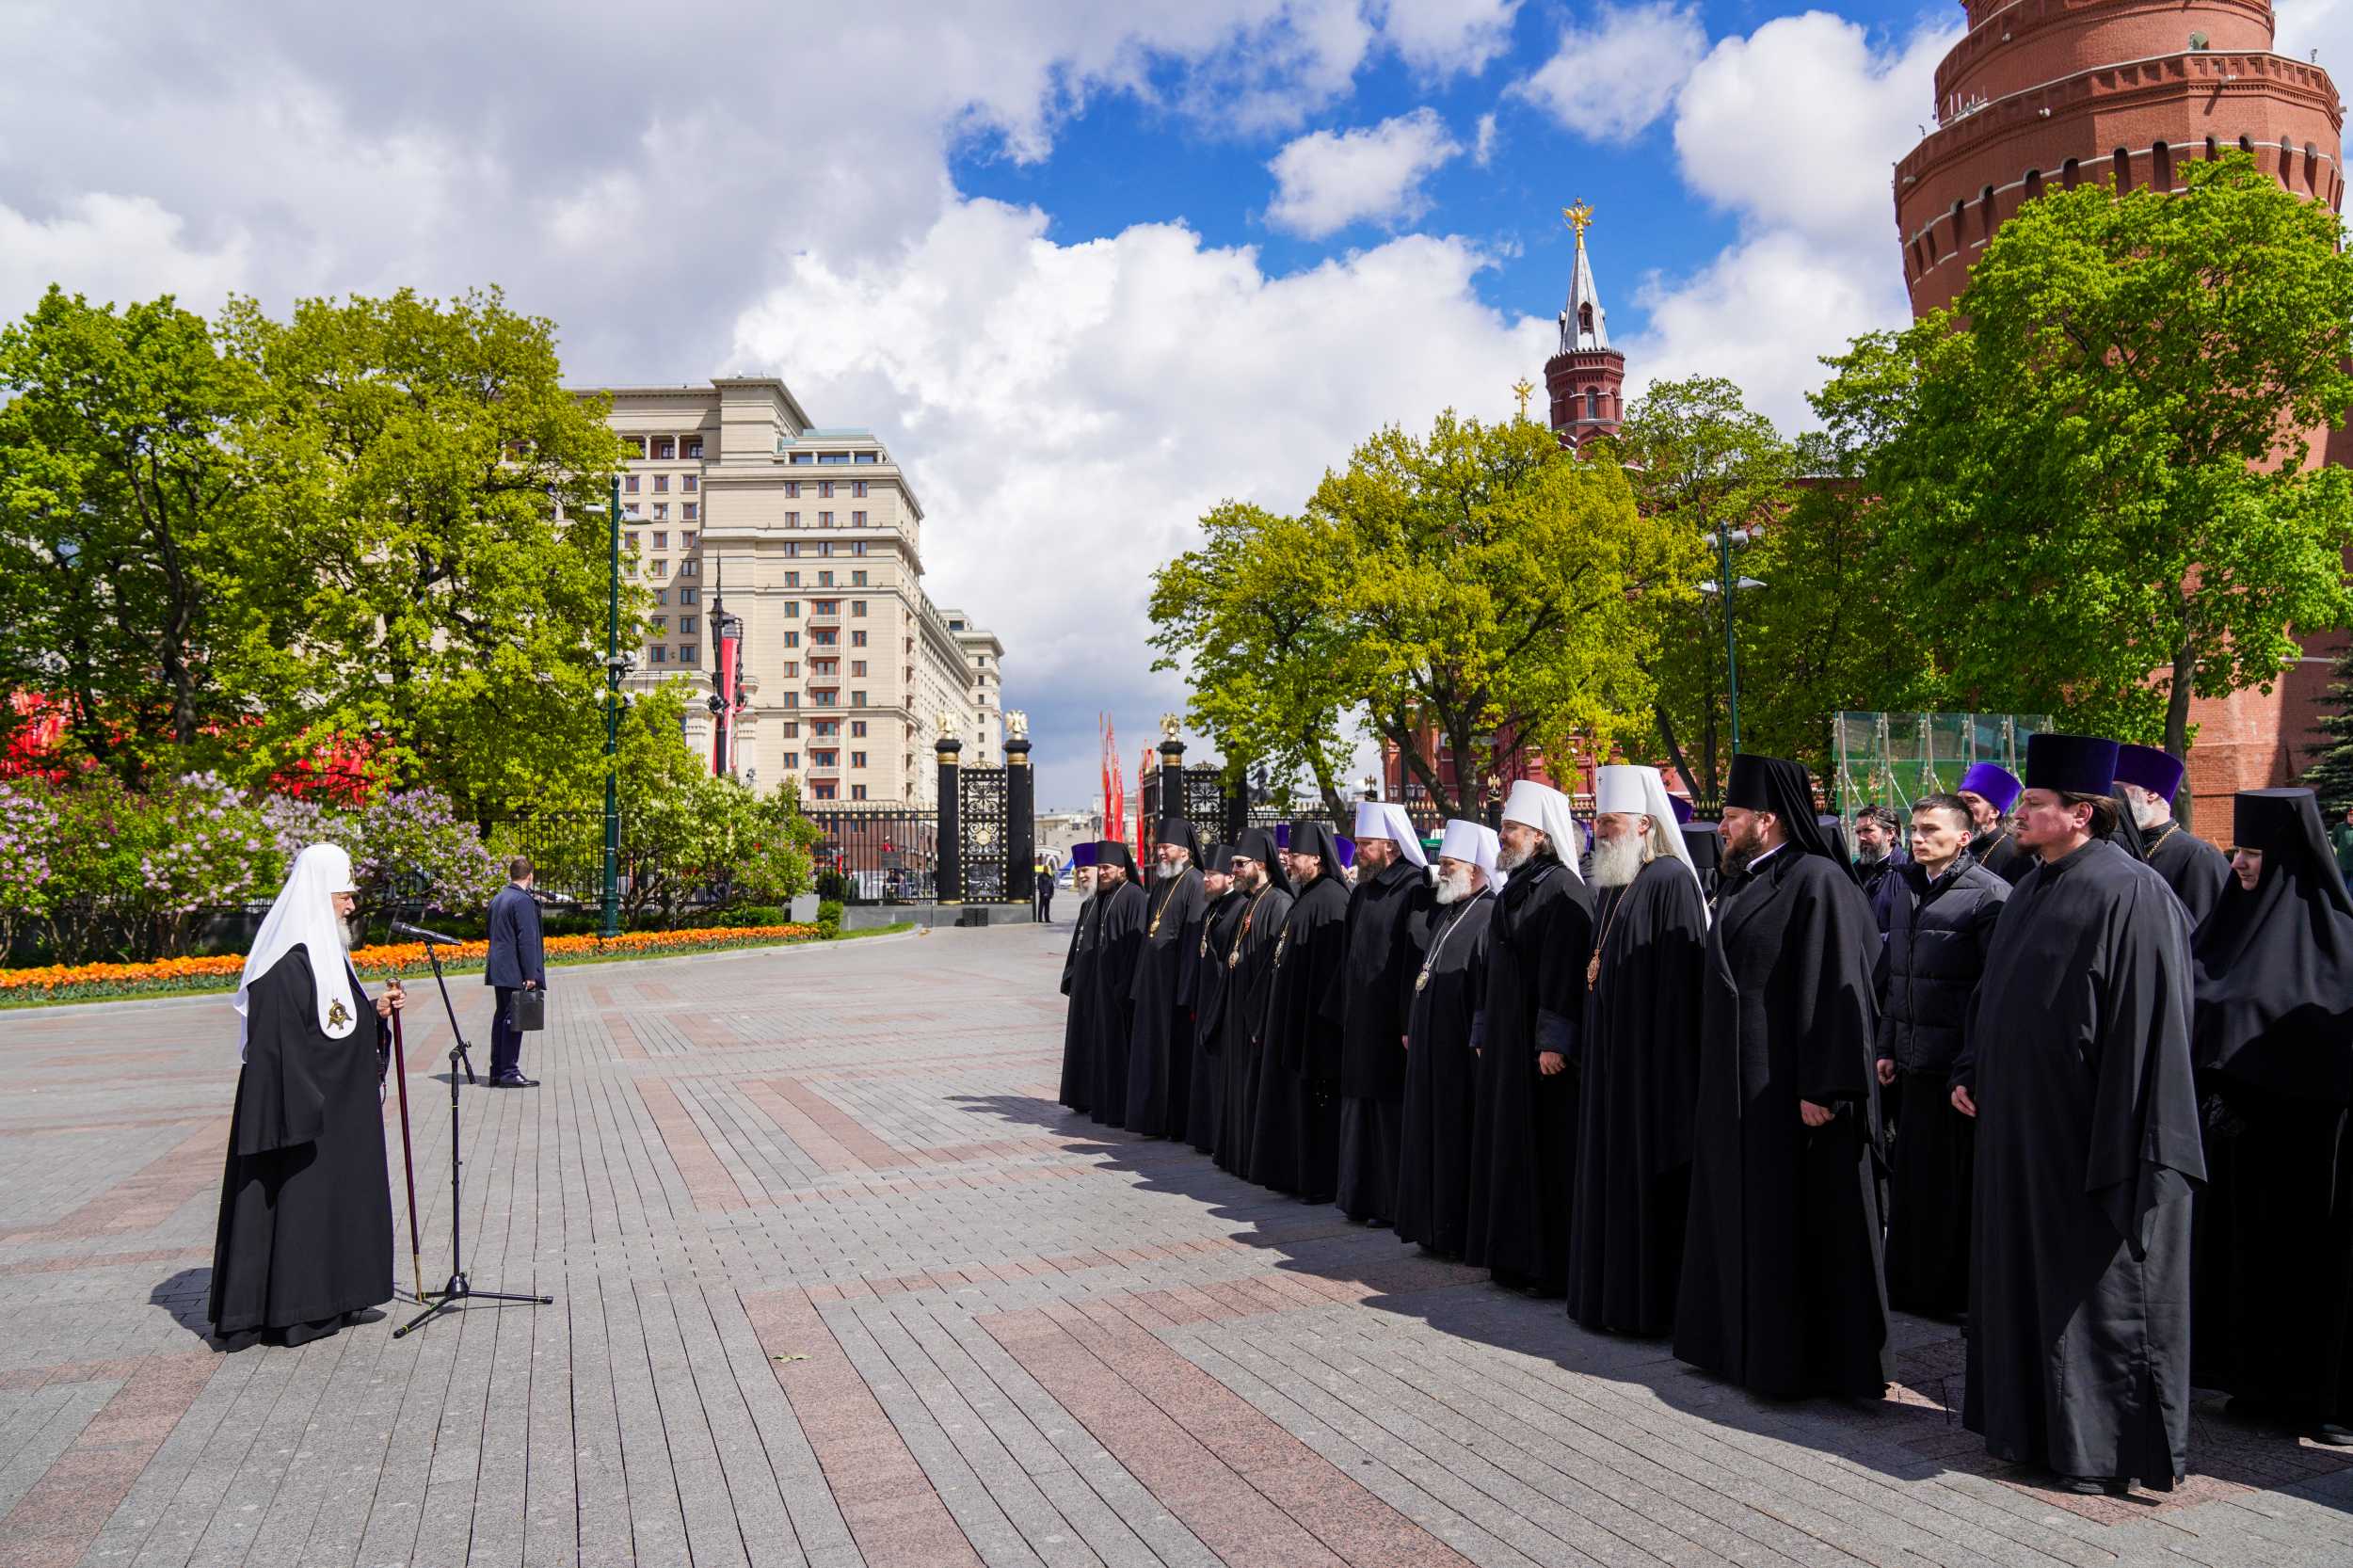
(812, 538)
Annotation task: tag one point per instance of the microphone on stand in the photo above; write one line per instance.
(402, 928)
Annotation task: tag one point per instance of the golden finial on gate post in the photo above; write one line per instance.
(1522, 389)
(1581, 217)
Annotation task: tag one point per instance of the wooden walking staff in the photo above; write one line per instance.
(408, 1156)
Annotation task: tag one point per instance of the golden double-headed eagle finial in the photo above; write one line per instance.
(1522, 389)
(1581, 217)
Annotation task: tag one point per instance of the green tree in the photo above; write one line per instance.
(2330, 775)
(1494, 592)
(2094, 465)
(1701, 460)
(451, 491)
(1249, 618)
(137, 583)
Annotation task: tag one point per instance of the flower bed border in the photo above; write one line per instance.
(182, 976)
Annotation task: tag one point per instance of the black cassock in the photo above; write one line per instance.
(1206, 1100)
(1294, 1141)
(1780, 1288)
(1160, 1044)
(1442, 1077)
(1386, 914)
(2078, 1058)
(2194, 868)
(2272, 1271)
(1249, 970)
(1640, 1077)
(1523, 1136)
(306, 1208)
(1078, 1027)
(1119, 918)
(1998, 850)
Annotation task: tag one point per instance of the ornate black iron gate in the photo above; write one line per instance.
(982, 819)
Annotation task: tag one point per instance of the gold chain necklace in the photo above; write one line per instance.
(1166, 900)
(1592, 965)
(1250, 912)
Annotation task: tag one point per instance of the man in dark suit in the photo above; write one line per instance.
(1044, 890)
(517, 964)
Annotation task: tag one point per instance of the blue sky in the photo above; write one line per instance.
(1088, 267)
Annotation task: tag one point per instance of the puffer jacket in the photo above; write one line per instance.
(1937, 935)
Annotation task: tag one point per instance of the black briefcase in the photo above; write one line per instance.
(527, 1011)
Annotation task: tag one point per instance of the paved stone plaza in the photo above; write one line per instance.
(838, 1282)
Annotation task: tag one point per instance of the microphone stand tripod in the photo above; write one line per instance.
(460, 1288)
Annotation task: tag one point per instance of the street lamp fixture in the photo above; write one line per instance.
(1728, 587)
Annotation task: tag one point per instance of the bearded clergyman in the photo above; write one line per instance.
(1990, 790)
(1159, 1043)
(1078, 983)
(1385, 913)
(1249, 957)
(1524, 1142)
(1118, 942)
(1222, 911)
(1641, 1060)
(2195, 870)
(1294, 1145)
(1441, 1066)
(1780, 1288)
(304, 1244)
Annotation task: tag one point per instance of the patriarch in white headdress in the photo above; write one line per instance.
(1645, 828)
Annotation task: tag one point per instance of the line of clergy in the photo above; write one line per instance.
(2078, 1080)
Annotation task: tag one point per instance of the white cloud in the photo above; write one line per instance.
(1448, 37)
(1328, 179)
(1486, 147)
(1071, 410)
(114, 249)
(1815, 261)
(1611, 81)
(2326, 26)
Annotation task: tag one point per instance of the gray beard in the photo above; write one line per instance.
(1455, 889)
(2149, 813)
(1511, 859)
(1866, 855)
(1617, 861)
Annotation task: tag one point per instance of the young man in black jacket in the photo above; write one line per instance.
(1939, 913)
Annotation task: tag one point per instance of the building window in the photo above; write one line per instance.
(631, 540)
(690, 568)
(792, 579)
(822, 788)
(824, 670)
(661, 596)
(792, 548)
(792, 731)
(686, 541)
(824, 519)
(858, 488)
(692, 511)
(825, 547)
(824, 727)
(858, 519)
(686, 596)
(824, 759)
(825, 580)
(661, 539)
(791, 609)
(661, 624)
(662, 484)
(858, 607)
(689, 653)
(791, 639)
(635, 444)
(858, 666)
(665, 447)
(798, 458)
(791, 670)
(791, 700)
(826, 607)
(629, 485)
(2070, 173)
(691, 484)
(793, 489)
(2161, 166)
(857, 639)
(791, 759)
(858, 791)
(693, 447)
(858, 547)
(858, 729)
(833, 456)
(660, 511)
(657, 569)
(870, 456)
(659, 654)
(791, 520)
(825, 489)
(857, 699)
(823, 699)
(2121, 161)
(858, 759)
(687, 624)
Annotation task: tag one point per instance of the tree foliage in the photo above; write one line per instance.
(2093, 467)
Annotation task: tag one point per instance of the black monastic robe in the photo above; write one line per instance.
(1294, 1143)
(305, 1233)
(1780, 1288)
(1249, 967)
(1160, 1045)
(1078, 1026)
(2194, 868)
(1205, 1106)
(2079, 1057)
(1524, 1138)
(1641, 1078)
(1385, 915)
(1442, 1077)
(1118, 942)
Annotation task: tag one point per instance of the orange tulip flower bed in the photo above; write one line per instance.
(99, 981)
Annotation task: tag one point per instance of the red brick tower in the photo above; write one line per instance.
(2048, 94)
(1586, 378)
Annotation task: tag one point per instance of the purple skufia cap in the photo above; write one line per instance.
(1680, 806)
(2157, 772)
(1347, 848)
(1282, 835)
(2070, 764)
(1996, 784)
(1081, 855)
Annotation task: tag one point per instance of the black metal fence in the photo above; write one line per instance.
(883, 854)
